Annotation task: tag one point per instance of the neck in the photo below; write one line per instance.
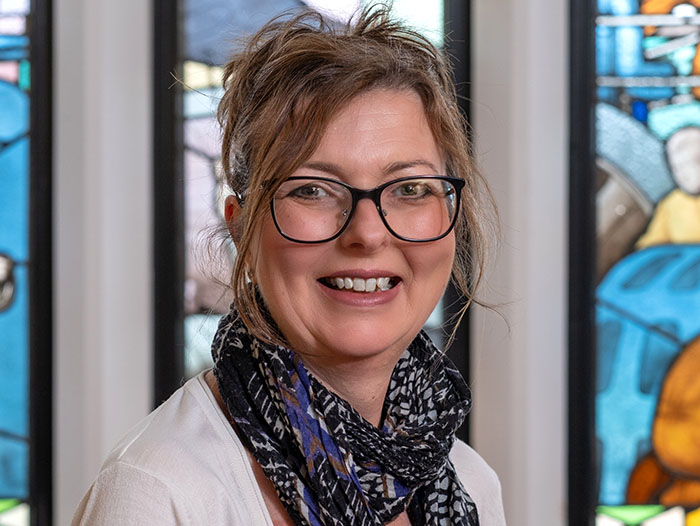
(362, 383)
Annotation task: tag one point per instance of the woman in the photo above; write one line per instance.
(354, 196)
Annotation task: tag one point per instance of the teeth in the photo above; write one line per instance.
(383, 283)
(361, 285)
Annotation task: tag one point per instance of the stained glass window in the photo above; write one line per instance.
(14, 257)
(647, 298)
(211, 29)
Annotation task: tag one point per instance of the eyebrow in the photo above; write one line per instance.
(404, 165)
(397, 166)
(329, 168)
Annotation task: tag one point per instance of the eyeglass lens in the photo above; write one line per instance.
(315, 210)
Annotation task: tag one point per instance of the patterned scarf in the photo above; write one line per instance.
(330, 466)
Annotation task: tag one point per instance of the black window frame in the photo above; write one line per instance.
(582, 466)
(168, 201)
(41, 264)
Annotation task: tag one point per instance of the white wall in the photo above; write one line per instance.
(103, 243)
(102, 234)
(520, 118)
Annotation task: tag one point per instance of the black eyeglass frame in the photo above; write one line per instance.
(374, 194)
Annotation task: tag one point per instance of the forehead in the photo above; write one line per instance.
(378, 108)
(376, 129)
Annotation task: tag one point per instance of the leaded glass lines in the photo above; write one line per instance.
(647, 178)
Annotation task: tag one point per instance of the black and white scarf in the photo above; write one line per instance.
(329, 465)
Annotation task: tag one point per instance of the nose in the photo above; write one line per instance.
(366, 229)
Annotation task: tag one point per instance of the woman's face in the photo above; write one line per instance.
(379, 136)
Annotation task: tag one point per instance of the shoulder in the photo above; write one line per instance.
(185, 434)
(481, 482)
(183, 457)
(125, 494)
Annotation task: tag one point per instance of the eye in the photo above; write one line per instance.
(413, 189)
(309, 191)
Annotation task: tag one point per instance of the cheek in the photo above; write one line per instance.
(446, 254)
(282, 266)
(433, 265)
(268, 262)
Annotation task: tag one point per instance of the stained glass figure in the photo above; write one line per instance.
(643, 325)
(648, 226)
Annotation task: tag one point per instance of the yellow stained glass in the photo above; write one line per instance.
(693, 518)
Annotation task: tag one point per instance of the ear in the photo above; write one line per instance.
(232, 215)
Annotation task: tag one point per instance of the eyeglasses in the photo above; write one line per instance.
(318, 209)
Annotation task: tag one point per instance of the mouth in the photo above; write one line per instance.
(362, 285)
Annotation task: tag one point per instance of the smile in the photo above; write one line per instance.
(360, 284)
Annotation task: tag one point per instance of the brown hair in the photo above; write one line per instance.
(282, 89)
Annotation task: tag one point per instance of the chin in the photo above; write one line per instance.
(369, 342)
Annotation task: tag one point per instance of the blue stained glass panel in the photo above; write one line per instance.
(14, 177)
(14, 251)
(631, 147)
(14, 200)
(620, 52)
(14, 390)
(212, 26)
(14, 47)
(14, 118)
(664, 121)
(14, 458)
